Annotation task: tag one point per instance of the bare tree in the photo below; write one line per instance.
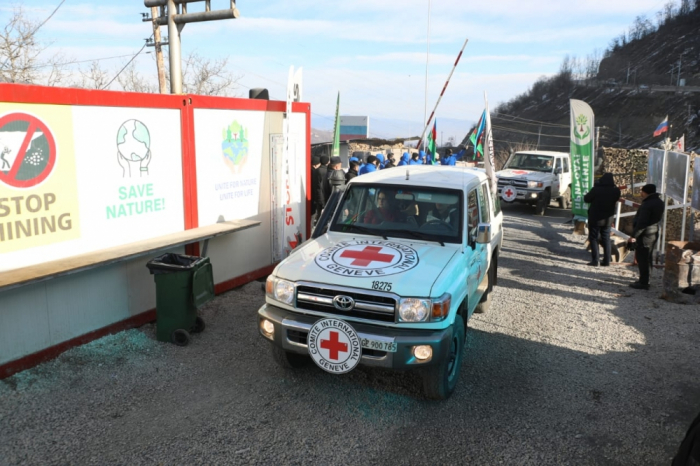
(21, 53)
(132, 81)
(94, 77)
(204, 76)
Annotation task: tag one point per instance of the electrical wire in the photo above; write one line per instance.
(529, 132)
(127, 64)
(82, 61)
(542, 123)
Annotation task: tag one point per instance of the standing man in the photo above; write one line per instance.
(602, 199)
(646, 233)
(322, 172)
(316, 204)
(448, 158)
(391, 162)
(353, 170)
(370, 166)
(415, 159)
(335, 164)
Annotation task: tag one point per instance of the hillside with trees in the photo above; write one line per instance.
(645, 74)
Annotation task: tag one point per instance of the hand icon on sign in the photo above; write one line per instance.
(124, 164)
(144, 163)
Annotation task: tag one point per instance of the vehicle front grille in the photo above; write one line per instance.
(367, 306)
(512, 182)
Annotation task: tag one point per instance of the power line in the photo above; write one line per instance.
(82, 61)
(542, 123)
(529, 132)
(127, 64)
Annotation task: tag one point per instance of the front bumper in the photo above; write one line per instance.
(291, 330)
(523, 194)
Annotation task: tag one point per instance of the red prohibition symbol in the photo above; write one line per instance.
(36, 150)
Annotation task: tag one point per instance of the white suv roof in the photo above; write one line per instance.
(452, 177)
(543, 152)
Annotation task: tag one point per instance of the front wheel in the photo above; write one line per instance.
(439, 381)
(543, 203)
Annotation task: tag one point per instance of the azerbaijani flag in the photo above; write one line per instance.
(430, 146)
(477, 137)
(662, 128)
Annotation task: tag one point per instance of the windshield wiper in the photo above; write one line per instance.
(417, 234)
(368, 231)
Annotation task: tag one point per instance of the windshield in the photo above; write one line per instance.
(425, 213)
(543, 163)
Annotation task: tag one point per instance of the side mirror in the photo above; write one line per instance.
(483, 234)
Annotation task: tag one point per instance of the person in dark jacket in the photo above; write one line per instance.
(390, 162)
(646, 233)
(335, 164)
(321, 175)
(602, 199)
(316, 204)
(353, 170)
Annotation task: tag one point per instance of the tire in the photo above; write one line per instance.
(565, 199)
(289, 360)
(543, 203)
(439, 381)
(198, 326)
(180, 337)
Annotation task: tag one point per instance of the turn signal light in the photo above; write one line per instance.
(441, 307)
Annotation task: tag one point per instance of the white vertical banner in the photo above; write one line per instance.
(292, 165)
(489, 161)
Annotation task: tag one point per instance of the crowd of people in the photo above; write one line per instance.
(323, 168)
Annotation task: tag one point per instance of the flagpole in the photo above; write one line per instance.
(427, 59)
(427, 123)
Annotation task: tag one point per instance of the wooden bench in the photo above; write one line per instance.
(57, 268)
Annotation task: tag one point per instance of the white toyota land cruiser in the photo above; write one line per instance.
(399, 261)
(536, 177)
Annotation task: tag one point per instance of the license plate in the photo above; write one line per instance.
(388, 346)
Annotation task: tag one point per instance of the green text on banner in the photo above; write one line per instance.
(582, 124)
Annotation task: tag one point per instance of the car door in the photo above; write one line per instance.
(556, 182)
(478, 261)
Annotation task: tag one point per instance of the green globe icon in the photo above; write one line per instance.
(133, 140)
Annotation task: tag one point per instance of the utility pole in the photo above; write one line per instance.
(539, 133)
(173, 13)
(597, 137)
(679, 69)
(673, 67)
(160, 64)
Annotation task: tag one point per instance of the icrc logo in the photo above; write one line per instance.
(364, 258)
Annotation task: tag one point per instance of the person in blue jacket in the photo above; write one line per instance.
(370, 166)
(422, 157)
(449, 158)
(415, 159)
(380, 159)
(404, 159)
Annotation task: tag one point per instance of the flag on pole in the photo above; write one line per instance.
(679, 144)
(662, 128)
(430, 146)
(477, 138)
(488, 152)
(582, 155)
(336, 130)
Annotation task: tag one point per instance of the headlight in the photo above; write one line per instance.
(279, 290)
(414, 309)
(535, 184)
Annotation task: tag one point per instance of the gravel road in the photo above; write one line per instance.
(570, 366)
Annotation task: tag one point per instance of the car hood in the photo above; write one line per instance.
(529, 175)
(411, 267)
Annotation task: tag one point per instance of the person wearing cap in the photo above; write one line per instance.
(646, 233)
(335, 164)
(602, 199)
(353, 171)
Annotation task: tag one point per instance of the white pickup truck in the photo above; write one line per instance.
(398, 263)
(536, 177)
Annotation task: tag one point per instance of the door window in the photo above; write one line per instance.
(472, 215)
(483, 203)
(566, 165)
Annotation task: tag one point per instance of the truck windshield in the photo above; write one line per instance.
(543, 163)
(428, 213)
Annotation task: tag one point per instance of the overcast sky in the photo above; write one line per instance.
(372, 51)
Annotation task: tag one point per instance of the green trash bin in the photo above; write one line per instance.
(183, 283)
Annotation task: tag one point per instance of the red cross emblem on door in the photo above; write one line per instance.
(368, 255)
(334, 346)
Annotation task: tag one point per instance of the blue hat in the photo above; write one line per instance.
(354, 159)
